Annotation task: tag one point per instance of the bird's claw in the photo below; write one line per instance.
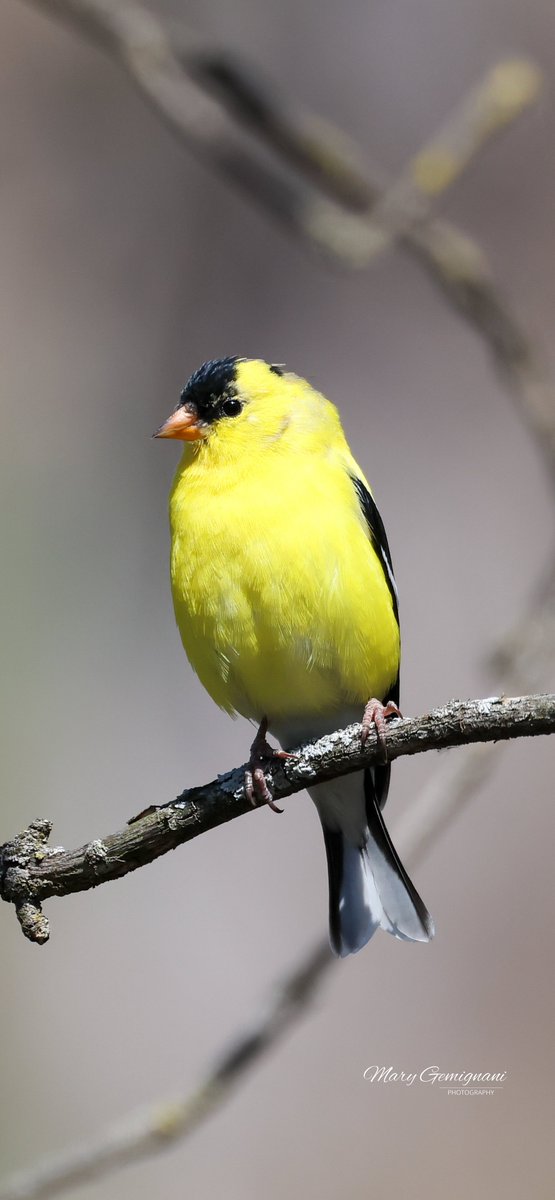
(256, 786)
(375, 714)
(257, 790)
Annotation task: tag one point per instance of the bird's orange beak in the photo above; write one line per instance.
(183, 424)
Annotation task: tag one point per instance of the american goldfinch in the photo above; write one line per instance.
(286, 603)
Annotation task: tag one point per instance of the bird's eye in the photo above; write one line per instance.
(231, 407)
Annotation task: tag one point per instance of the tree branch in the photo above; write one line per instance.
(30, 871)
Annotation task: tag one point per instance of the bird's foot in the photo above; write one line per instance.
(256, 786)
(376, 714)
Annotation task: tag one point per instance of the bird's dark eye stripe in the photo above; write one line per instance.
(231, 407)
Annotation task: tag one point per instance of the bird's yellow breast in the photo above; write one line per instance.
(280, 599)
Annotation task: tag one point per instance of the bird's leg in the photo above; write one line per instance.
(256, 788)
(376, 714)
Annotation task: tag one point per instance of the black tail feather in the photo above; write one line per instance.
(333, 841)
(380, 835)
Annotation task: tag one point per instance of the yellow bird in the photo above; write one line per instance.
(286, 604)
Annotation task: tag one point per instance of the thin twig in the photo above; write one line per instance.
(31, 872)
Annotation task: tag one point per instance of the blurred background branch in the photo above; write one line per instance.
(207, 95)
(156, 1130)
(203, 94)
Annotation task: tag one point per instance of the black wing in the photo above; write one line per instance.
(378, 537)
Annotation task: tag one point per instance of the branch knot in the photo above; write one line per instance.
(16, 859)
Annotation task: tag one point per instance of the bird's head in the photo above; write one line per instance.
(232, 405)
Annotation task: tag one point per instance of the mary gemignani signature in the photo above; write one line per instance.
(490, 1079)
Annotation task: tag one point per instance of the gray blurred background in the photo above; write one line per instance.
(124, 266)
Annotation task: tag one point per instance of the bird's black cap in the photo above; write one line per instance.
(213, 380)
(213, 384)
